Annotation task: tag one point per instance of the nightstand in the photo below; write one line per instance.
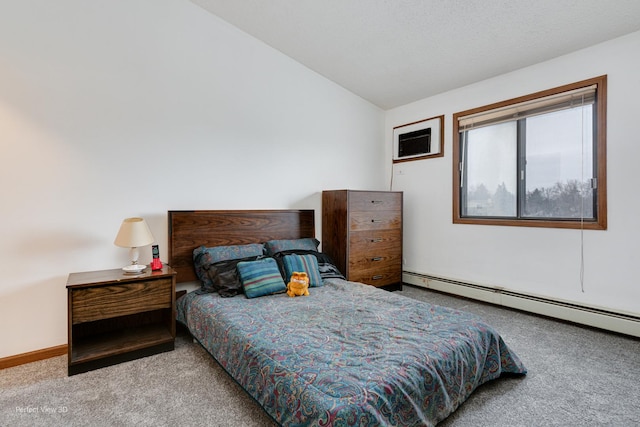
(116, 317)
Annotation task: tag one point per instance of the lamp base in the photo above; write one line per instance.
(134, 268)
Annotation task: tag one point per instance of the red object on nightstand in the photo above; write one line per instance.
(156, 264)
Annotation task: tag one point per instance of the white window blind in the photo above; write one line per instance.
(565, 100)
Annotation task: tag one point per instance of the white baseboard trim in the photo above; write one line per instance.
(621, 322)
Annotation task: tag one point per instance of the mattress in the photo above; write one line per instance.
(349, 354)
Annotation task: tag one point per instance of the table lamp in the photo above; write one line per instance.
(134, 233)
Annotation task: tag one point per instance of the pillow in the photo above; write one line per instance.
(275, 246)
(302, 263)
(260, 277)
(203, 257)
(223, 278)
(328, 269)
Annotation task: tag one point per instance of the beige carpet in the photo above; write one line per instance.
(185, 387)
(577, 376)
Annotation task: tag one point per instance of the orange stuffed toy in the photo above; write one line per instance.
(298, 284)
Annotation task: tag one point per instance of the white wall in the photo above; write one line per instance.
(540, 261)
(128, 108)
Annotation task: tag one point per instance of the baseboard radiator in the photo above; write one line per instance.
(620, 322)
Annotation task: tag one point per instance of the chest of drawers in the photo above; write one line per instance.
(362, 233)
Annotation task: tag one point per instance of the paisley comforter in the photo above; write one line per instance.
(349, 354)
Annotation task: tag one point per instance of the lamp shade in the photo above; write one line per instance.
(134, 232)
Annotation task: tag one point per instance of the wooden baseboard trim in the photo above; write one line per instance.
(32, 356)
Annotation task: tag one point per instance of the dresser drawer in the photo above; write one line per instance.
(386, 275)
(103, 302)
(381, 220)
(375, 240)
(373, 201)
(372, 260)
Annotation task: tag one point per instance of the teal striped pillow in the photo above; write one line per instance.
(260, 277)
(303, 263)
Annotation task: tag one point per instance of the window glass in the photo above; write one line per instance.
(491, 172)
(559, 164)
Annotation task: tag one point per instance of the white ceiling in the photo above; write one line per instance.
(393, 52)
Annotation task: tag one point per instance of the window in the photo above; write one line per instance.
(538, 160)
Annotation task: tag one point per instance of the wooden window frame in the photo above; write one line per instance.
(600, 135)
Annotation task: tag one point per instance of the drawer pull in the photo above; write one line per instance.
(377, 258)
(376, 240)
(376, 201)
(377, 277)
(376, 221)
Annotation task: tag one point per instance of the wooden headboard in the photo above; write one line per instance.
(191, 229)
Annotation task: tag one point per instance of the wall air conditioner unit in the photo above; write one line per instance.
(418, 140)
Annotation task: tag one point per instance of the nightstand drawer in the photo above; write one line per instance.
(103, 302)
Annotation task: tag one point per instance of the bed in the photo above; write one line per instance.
(348, 354)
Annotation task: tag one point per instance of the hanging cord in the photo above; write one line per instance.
(392, 164)
(392, 171)
(582, 196)
(582, 255)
